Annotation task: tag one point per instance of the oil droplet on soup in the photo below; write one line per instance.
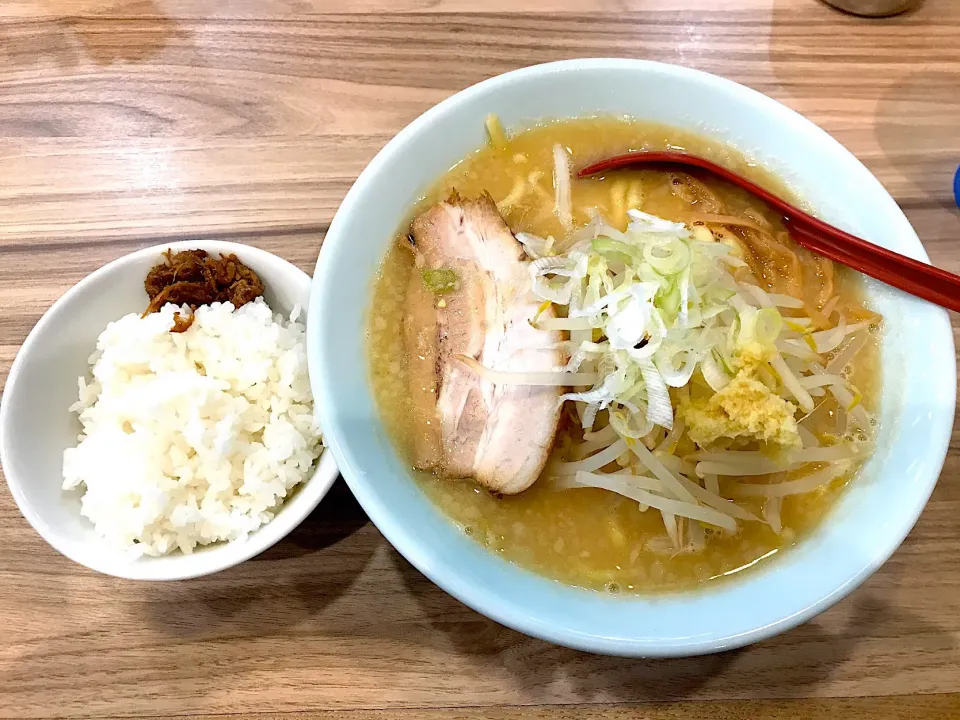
(588, 537)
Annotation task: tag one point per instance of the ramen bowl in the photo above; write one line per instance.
(873, 515)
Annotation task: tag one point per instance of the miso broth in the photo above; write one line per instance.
(590, 537)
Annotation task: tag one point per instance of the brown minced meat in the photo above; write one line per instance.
(194, 278)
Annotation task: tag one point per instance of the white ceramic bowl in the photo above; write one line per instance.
(868, 523)
(36, 427)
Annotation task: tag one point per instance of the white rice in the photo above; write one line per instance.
(196, 437)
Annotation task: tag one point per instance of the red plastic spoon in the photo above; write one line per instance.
(917, 278)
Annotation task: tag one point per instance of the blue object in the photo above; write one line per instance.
(956, 187)
(865, 526)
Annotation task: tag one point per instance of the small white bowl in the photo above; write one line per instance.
(867, 524)
(36, 425)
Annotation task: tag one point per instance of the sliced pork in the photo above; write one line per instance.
(499, 434)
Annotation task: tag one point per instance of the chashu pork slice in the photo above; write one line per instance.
(499, 434)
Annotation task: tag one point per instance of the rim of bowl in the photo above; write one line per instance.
(218, 556)
(488, 601)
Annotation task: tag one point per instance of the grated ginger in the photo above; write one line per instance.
(745, 408)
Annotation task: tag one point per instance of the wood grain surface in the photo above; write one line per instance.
(125, 123)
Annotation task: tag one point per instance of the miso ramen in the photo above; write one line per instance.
(633, 382)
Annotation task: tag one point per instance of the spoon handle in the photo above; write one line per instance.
(919, 279)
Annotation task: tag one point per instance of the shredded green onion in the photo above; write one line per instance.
(657, 315)
(669, 257)
(440, 281)
(768, 325)
(609, 246)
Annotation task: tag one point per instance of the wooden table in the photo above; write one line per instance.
(125, 123)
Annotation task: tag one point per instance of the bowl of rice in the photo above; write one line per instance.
(156, 455)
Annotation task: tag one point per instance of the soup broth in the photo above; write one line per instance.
(591, 537)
